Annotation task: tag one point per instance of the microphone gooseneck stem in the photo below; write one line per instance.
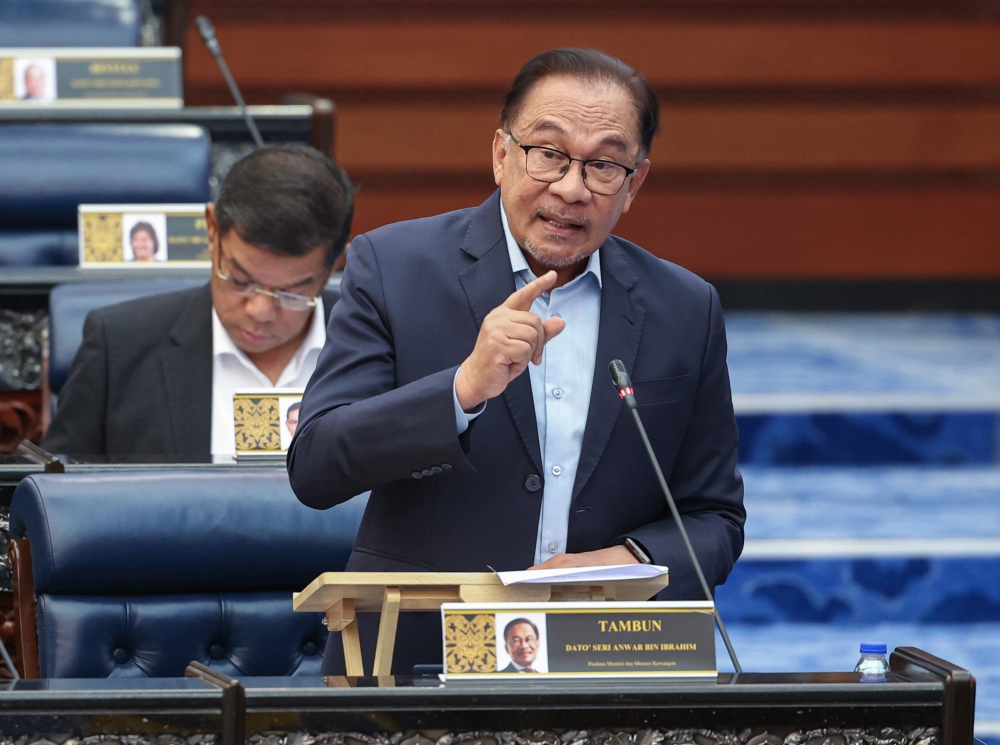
(208, 36)
(251, 124)
(687, 541)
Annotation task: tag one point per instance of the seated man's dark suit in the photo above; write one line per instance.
(379, 414)
(141, 382)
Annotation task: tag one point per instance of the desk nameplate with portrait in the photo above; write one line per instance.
(139, 236)
(490, 641)
(91, 77)
(264, 422)
(342, 594)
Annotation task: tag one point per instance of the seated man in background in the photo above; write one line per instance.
(156, 376)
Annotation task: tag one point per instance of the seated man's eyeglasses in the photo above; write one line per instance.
(247, 287)
(550, 165)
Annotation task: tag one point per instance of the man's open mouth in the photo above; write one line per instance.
(563, 223)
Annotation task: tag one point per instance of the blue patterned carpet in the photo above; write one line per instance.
(869, 445)
(859, 389)
(863, 362)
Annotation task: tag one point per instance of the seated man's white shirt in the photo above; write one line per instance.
(232, 369)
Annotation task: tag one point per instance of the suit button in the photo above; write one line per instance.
(533, 483)
(417, 475)
(427, 472)
(435, 469)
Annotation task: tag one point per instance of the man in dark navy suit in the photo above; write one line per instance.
(464, 379)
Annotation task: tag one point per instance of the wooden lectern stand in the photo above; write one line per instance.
(342, 594)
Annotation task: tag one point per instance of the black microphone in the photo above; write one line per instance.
(207, 32)
(619, 375)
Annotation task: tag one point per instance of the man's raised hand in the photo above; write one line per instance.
(511, 336)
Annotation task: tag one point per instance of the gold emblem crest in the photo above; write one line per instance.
(102, 238)
(258, 424)
(470, 643)
(6, 78)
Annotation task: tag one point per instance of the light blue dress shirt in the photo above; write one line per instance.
(560, 387)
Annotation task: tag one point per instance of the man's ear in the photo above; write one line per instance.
(499, 154)
(635, 182)
(212, 227)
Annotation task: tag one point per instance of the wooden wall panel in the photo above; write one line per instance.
(778, 234)
(829, 139)
(487, 54)
(456, 138)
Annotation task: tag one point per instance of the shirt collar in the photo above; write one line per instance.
(519, 264)
(222, 342)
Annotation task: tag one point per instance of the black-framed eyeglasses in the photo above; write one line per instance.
(550, 165)
(248, 288)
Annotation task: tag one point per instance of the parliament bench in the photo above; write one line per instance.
(70, 304)
(48, 170)
(70, 23)
(136, 574)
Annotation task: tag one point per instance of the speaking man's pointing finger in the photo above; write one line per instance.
(523, 298)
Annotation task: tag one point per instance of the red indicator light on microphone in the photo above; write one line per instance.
(626, 392)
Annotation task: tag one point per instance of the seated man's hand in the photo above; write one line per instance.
(602, 557)
(511, 336)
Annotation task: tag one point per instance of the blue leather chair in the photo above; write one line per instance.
(139, 573)
(70, 23)
(68, 308)
(38, 247)
(46, 171)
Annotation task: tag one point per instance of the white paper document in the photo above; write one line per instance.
(612, 573)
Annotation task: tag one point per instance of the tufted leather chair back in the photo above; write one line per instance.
(70, 23)
(69, 305)
(139, 573)
(47, 170)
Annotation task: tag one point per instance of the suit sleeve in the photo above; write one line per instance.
(358, 430)
(79, 424)
(704, 481)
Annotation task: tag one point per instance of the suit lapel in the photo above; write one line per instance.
(187, 372)
(618, 338)
(487, 283)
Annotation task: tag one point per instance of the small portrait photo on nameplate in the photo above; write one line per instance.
(34, 79)
(91, 77)
(521, 643)
(264, 421)
(144, 237)
(134, 236)
(579, 640)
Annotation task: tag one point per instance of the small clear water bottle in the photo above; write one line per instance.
(872, 665)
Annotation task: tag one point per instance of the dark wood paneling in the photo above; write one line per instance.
(600, 10)
(327, 56)
(452, 139)
(725, 234)
(821, 139)
(20, 418)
